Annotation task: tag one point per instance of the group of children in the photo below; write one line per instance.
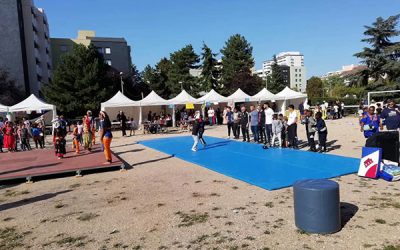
(16, 136)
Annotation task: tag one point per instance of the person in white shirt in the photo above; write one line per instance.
(210, 113)
(269, 113)
(292, 127)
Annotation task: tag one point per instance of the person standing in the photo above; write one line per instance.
(9, 138)
(391, 116)
(269, 113)
(195, 131)
(25, 134)
(122, 119)
(76, 138)
(292, 127)
(310, 124)
(370, 123)
(201, 130)
(254, 122)
(236, 123)
(224, 116)
(261, 124)
(211, 114)
(276, 131)
(322, 130)
(36, 136)
(87, 132)
(133, 127)
(106, 135)
(244, 124)
(229, 121)
(60, 142)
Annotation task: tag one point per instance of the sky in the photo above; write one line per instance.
(327, 32)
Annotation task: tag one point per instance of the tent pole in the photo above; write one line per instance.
(140, 116)
(173, 117)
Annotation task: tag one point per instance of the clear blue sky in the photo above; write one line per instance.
(327, 32)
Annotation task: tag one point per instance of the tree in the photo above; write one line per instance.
(157, 78)
(250, 84)
(236, 58)
(381, 57)
(315, 87)
(209, 73)
(179, 74)
(275, 81)
(81, 82)
(10, 94)
(134, 85)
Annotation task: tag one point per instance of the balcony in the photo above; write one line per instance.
(37, 54)
(34, 21)
(39, 71)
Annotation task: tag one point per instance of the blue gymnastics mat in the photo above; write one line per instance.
(271, 169)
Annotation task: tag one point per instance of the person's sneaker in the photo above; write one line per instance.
(244, 141)
(194, 150)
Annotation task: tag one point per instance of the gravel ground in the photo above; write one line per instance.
(167, 203)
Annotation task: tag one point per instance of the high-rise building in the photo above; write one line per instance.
(25, 44)
(116, 51)
(292, 61)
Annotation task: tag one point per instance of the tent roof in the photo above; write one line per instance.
(183, 98)
(288, 93)
(119, 100)
(31, 103)
(264, 94)
(238, 96)
(3, 108)
(212, 96)
(153, 99)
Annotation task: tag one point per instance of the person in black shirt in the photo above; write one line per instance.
(261, 124)
(122, 119)
(244, 123)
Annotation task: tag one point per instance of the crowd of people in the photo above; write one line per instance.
(16, 136)
(375, 117)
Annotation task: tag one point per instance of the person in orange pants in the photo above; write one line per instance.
(105, 135)
(76, 139)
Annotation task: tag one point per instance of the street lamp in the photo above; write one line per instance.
(122, 83)
(181, 84)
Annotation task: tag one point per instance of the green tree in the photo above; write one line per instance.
(250, 84)
(379, 57)
(80, 82)
(134, 85)
(315, 87)
(275, 81)
(209, 73)
(179, 74)
(332, 81)
(157, 78)
(237, 57)
(10, 94)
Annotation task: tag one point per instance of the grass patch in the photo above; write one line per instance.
(391, 247)
(10, 238)
(366, 245)
(214, 195)
(269, 204)
(59, 205)
(380, 221)
(188, 220)
(250, 238)
(87, 216)
(76, 185)
(13, 193)
(200, 239)
(215, 209)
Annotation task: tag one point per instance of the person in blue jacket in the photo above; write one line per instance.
(370, 123)
(322, 130)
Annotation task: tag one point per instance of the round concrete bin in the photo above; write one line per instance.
(317, 206)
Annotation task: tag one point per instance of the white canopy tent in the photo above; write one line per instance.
(212, 96)
(180, 99)
(117, 102)
(263, 95)
(289, 96)
(151, 99)
(238, 96)
(32, 103)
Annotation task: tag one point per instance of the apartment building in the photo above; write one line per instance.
(116, 51)
(25, 45)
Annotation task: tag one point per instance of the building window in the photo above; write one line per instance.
(295, 80)
(100, 50)
(63, 48)
(299, 70)
(108, 50)
(300, 75)
(295, 75)
(109, 62)
(295, 70)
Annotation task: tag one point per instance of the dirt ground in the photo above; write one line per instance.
(166, 203)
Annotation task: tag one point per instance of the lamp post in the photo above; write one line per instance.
(122, 83)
